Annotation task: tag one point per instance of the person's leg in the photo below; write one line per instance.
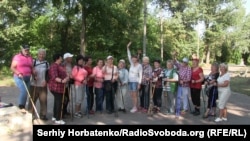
(134, 92)
(91, 94)
(33, 94)
(66, 101)
(159, 97)
(171, 101)
(193, 94)
(142, 96)
(197, 94)
(43, 102)
(146, 96)
(119, 98)
(178, 101)
(185, 93)
(123, 94)
(22, 92)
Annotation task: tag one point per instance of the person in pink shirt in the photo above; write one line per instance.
(79, 74)
(98, 85)
(22, 68)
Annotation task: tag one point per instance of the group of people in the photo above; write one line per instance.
(70, 83)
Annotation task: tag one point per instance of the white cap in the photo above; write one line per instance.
(122, 60)
(110, 57)
(185, 60)
(67, 55)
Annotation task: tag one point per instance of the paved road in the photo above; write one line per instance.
(238, 113)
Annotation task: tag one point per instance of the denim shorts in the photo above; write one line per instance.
(133, 86)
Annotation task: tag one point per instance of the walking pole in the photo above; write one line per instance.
(71, 101)
(114, 101)
(151, 105)
(34, 93)
(203, 98)
(38, 117)
(63, 100)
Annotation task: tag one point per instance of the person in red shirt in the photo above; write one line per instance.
(90, 84)
(197, 77)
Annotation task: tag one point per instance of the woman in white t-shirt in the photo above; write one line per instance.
(224, 92)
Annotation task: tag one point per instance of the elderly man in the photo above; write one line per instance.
(183, 91)
(67, 65)
(38, 88)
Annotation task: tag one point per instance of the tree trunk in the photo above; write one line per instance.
(83, 32)
(208, 55)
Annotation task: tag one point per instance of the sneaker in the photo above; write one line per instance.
(218, 119)
(78, 115)
(133, 110)
(224, 119)
(61, 122)
(53, 119)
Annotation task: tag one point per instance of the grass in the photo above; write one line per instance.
(240, 85)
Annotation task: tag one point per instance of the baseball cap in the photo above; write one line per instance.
(185, 60)
(25, 47)
(110, 57)
(67, 55)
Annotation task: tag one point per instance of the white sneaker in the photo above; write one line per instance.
(133, 110)
(60, 122)
(53, 119)
(218, 119)
(224, 119)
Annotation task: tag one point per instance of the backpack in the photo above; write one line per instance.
(47, 69)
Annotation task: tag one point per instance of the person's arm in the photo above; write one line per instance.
(140, 75)
(126, 77)
(174, 79)
(115, 77)
(129, 53)
(226, 82)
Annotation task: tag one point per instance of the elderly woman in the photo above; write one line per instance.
(170, 82)
(211, 90)
(145, 86)
(110, 72)
(98, 85)
(122, 85)
(197, 77)
(22, 68)
(224, 92)
(79, 74)
(57, 86)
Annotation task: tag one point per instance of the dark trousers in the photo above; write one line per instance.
(144, 97)
(90, 97)
(157, 97)
(99, 99)
(57, 110)
(66, 100)
(212, 97)
(109, 93)
(195, 96)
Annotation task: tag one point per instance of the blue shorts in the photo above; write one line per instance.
(133, 86)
